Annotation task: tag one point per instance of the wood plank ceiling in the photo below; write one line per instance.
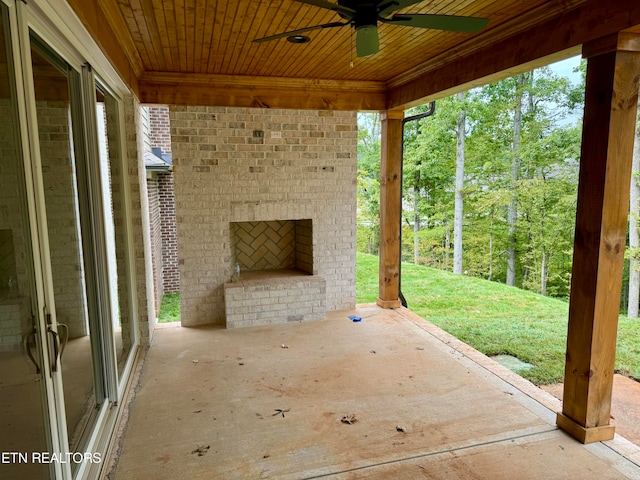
(208, 44)
(215, 37)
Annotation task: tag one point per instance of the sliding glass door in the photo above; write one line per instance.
(67, 295)
(116, 233)
(71, 247)
(25, 389)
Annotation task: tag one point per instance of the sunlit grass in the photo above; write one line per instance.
(496, 319)
(170, 308)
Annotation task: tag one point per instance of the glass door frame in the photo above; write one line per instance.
(40, 17)
(50, 409)
(127, 232)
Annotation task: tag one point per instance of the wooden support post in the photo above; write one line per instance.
(613, 73)
(390, 205)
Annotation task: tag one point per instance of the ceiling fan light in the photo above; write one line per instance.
(298, 39)
(367, 41)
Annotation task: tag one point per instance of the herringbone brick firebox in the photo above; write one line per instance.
(273, 245)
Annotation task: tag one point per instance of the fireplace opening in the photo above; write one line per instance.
(272, 247)
(277, 281)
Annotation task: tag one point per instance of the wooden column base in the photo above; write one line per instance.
(583, 434)
(388, 303)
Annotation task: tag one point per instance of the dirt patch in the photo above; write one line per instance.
(625, 405)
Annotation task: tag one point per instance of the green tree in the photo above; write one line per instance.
(548, 203)
(428, 179)
(458, 220)
(534, 166)
(634, 237)
(368, 189)
(523, 166)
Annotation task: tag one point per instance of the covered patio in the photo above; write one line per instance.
(391, 396)
(414, 401)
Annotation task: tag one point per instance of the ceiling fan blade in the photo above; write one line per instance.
(451, 23)
(346, 11)
(367, 41)
(387, 7)
(299, 31)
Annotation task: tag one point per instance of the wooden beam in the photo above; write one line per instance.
(489, 36)
(613, 78)
(390, 206)
(454, 72)
(261, 92)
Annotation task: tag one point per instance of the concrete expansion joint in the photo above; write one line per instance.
(461, 448)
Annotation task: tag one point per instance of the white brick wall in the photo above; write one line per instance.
(58, 177)
(140, 210)
(14, 322)
(12, 215)
(297, 298)
(118, 176)
(303, 168)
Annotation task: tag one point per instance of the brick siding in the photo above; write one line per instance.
(67, 269)
(160, 129)
(139, 202)
(155, 225)
(170, 270)
(14, 312)
(160, 136)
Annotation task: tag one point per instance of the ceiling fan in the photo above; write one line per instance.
(364, 15)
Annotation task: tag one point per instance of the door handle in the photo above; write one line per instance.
(56, 349)
(26, 343)
(58, 345)
(63, 332)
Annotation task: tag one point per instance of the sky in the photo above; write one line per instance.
(565, 68)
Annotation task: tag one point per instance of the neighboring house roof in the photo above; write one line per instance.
(157, 163)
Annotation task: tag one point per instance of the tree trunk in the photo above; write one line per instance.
(447, 244)
(515, 174)
(634, 240)
(490, 256)
(416, 225)
(491, 247)
(543, 273)
(458, 209)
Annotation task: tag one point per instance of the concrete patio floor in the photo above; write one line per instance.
(423, 404)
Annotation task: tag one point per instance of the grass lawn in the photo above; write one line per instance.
(170, 308)
(496, 319)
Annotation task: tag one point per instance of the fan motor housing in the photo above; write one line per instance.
(366, 13)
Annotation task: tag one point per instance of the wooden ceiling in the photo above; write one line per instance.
(215, 37)
(201, 51)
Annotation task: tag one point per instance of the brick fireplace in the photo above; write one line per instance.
(273, 191)
(276, 282)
